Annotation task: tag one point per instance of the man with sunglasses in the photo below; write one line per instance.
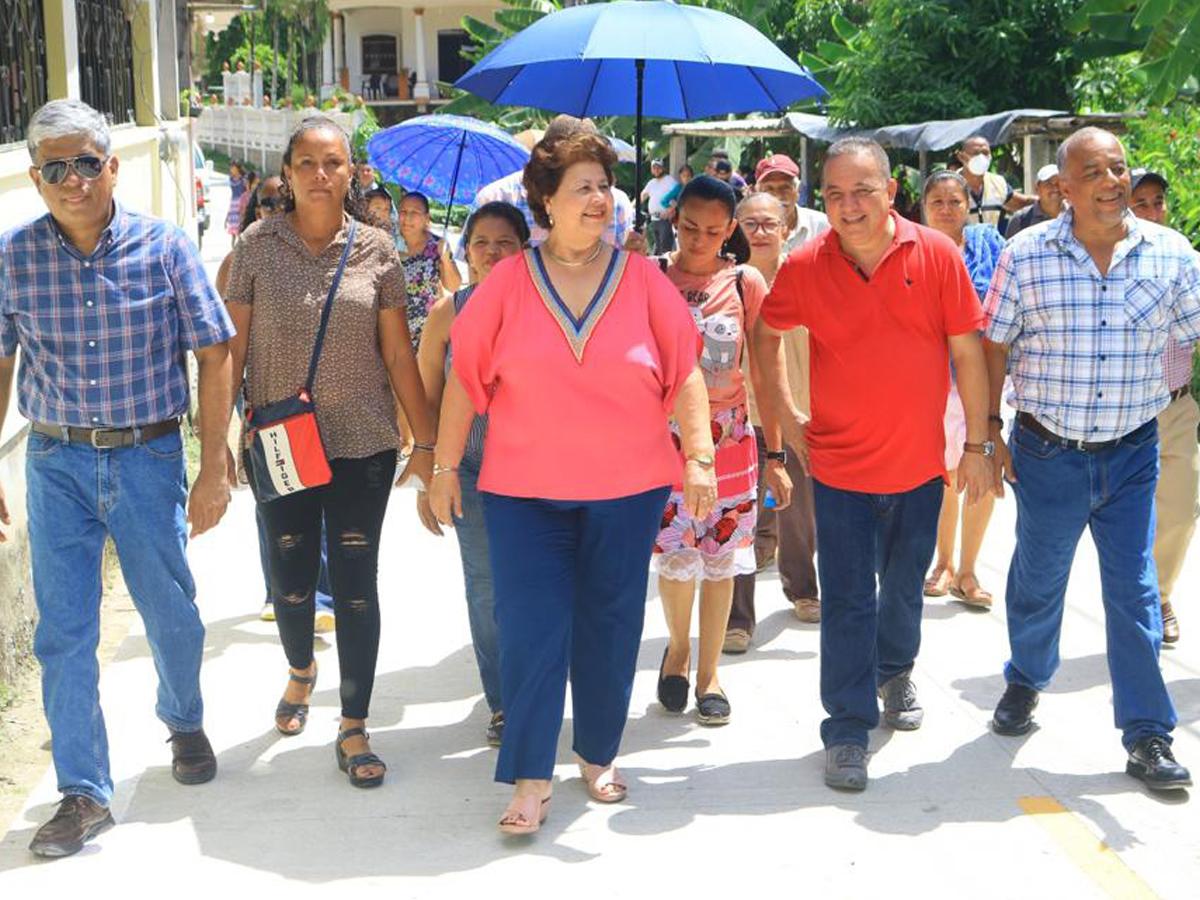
(103, 303)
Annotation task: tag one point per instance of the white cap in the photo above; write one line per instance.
(1045, 173)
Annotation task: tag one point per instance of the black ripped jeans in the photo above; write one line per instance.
(353, 505)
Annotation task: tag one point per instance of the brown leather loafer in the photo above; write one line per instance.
(193, 760)
(77, 821)
(1170, 624)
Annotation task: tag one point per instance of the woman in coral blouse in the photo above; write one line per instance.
(578, 353)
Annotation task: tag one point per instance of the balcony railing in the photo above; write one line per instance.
(22, 66)
(106, 58)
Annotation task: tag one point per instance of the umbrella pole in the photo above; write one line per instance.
(462, 145)
(640, 68)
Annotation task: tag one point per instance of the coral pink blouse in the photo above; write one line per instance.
(577, 409)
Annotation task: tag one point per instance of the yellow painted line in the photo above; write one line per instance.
(1091, 855)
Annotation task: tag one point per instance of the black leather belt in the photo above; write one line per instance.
(1028, 421)
(1180, 392)
(106, 438)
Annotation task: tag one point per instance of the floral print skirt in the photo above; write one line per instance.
(721, 545)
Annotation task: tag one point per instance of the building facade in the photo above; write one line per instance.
(394, 52)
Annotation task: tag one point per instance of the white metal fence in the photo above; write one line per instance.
(257, 135)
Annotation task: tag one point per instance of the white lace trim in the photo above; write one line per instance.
(689, 564)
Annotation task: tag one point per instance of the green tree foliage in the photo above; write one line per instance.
(1166, 33)
(915, 60)
(1167, 141)
(298, 25)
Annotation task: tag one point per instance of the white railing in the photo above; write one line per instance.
(244, 132)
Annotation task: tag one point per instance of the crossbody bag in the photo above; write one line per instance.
(285, 451)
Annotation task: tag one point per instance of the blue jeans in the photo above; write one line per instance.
(78, 496)
(477, 577)
(570, 602)
(1060, 492)
(875, 550)
(324, 591)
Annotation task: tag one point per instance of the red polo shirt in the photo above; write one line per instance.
(880, 364)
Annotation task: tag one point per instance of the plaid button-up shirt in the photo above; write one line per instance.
(102, 337)
(1086, 350)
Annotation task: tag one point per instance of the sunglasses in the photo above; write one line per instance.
(89, 168)
(270, 204)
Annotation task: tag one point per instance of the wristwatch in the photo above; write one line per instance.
(703, 460)
(987, 448)
(779, 456)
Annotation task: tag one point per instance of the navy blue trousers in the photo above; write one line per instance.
(570, 583)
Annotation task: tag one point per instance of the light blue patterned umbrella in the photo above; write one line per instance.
(446, 158)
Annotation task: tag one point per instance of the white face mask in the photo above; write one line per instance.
(979, 163)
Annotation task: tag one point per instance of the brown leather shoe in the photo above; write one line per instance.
(77, 821)
(807, 610)
(192, 757)
(1170, 623)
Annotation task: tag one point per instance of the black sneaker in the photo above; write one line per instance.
(77, 821)
(1152, 761)
(901, 709)
(495, 729)
(1014, 712)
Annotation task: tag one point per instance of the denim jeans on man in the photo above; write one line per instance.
(78, 496)
(1061, 491)
(477, 578)
(875, 550)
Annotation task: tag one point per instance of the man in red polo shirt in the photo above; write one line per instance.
(888, 305)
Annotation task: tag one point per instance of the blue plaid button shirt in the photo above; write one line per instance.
(102, 337)
(1086, 350)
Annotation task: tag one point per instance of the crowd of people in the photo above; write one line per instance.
(767, 382)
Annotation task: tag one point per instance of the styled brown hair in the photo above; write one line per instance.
(550, 159)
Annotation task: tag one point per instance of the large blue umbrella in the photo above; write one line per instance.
(446, 158)
(641, 57)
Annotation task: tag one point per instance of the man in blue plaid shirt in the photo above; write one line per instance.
(1081, 309)
(104, 303)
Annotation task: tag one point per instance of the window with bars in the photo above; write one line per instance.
(22, 65)
(106, 58)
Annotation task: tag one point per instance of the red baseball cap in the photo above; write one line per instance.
(776, 164)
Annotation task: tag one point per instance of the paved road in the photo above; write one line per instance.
(952, 809)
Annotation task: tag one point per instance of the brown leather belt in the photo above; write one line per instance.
(1180, 392)
(1028, 421)
(106, 438)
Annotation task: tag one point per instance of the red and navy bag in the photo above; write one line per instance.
(285, 451)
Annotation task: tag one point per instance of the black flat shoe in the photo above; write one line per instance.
(1014, 712)
(713, 709)
(672, 689)
(1152, 762)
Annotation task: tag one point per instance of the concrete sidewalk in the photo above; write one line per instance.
(952, 809)
(735, 807)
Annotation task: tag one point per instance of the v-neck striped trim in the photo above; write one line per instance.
(576, 331)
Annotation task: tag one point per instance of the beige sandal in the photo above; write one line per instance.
(604, 783)
(525, 815)
(939, 583)
(975, 596)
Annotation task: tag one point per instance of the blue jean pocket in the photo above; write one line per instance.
(40, 446)
(167, 446)
(1030, 444)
